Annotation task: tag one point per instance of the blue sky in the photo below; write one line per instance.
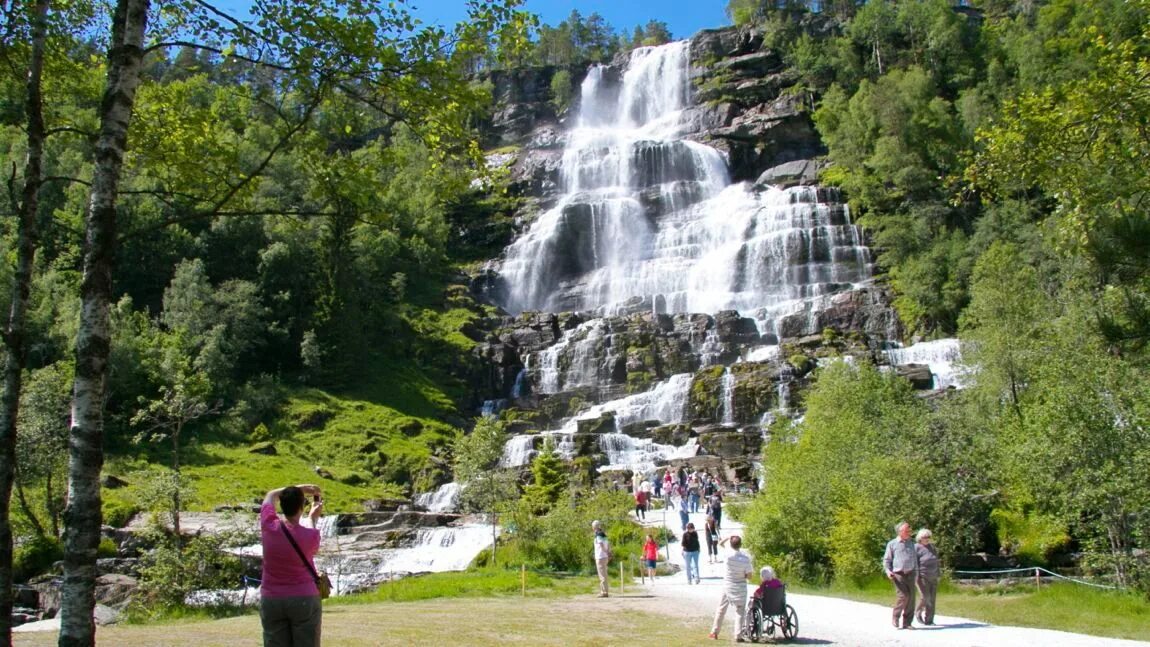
(683, 17)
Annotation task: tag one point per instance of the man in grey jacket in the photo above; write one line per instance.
(900, 562)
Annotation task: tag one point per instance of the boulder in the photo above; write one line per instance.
(919, 375)
(114, 589)
(105, 615)
(788, 174)
(266, 448)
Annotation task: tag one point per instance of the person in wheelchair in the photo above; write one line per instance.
(768, 581)
(767, 609)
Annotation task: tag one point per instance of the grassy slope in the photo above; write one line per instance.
(375, 437)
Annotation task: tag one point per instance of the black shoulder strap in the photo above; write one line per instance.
(310, 568)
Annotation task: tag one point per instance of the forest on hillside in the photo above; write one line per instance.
(213, 224)
(997, 154)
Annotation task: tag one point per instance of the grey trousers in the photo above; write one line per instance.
(601, 567)
(732, 597)
(291, 622)
(904, 602)
(927, 589)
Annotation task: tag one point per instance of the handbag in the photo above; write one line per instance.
(322, 581)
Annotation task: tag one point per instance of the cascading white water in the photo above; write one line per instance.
(941, 355)
(728, 397)
(640, 454)
(648, 216)
(666, 403)
(518, 451)
(582, 368)
(445, 499)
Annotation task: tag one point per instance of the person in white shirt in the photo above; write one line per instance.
(739, 572)
(602, 556)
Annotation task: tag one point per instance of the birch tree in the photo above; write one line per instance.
(373, 53)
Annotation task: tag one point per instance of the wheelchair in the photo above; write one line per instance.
(771, 613)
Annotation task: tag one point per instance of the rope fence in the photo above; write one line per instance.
(1037, 571)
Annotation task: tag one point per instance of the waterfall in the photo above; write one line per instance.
(444, 499)
(518, 451)
(941, 355)
(666, 403)
(728, 397)
(435, 550)
(491, 408)
(326, 526)
(640, 454)
(520, 380)
(579, 347)
(650, 220)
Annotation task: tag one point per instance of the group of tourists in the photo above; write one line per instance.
(910, 564)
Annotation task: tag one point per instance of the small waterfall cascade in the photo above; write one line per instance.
(711, 349)
(943, 356)
(435, 550)
(582, 369)
(728, 397)
(640, 454)
(518, 451)
(427, 550)
(445, 499)
(492, 408)
(517, 389)
(648, 218)
(666, 403)
(326, 526)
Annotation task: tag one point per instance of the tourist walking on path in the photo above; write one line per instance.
(715, 509)
(602, 556)
(684, 518)
(900, 562)
(929, 572)
(650, 556)
(690, 543)
(738, 573)
(290, 610)
(640, 504)
(693, 492)
(712, 532)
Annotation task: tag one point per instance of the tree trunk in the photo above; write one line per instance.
(93, 340)
(21, 287)
(178, 483)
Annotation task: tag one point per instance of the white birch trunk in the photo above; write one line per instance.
(82, 516)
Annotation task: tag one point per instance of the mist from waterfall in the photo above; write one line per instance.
(648, 218)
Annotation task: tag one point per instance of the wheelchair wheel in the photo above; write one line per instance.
(790, 623)
(755, 631)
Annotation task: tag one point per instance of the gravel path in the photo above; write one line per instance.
(831, 621)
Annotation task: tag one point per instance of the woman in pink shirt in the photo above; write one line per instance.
(290, 608)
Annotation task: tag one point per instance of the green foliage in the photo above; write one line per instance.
(833, 493)
(561, 539)
(117, 512)
(485, 486)
(35, 556)
(549, 475)
(172, 570)
(1030, 536)
(562, 90)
